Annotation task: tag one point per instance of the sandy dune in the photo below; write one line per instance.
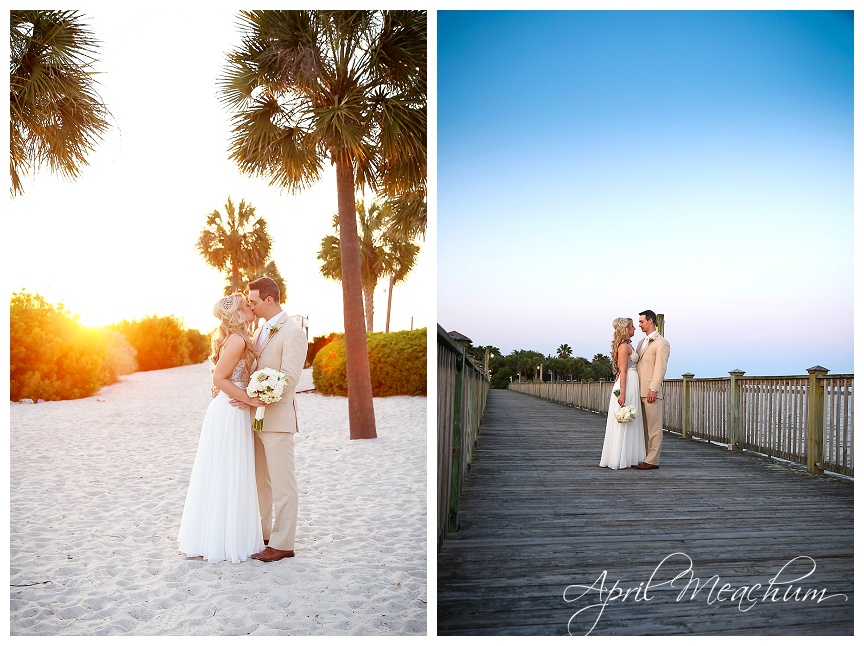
(97, 490)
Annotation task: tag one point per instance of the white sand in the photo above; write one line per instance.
(97, 491)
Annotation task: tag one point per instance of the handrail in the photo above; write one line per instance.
(462, 392)
(807, 419)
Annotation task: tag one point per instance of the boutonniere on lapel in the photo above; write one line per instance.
(651, 339)
(274, 329)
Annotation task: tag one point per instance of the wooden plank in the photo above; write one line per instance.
(538, 515)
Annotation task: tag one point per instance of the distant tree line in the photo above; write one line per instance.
(523, 365)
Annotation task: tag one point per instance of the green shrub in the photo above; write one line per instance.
(315, 346)
(328, 368)
(161, 341)
(52, 356)
(501, 379)
(199, 346)
(397, 364)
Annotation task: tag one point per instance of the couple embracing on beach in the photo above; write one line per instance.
(241, 477)
(634, 424)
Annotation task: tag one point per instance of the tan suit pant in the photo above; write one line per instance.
(653, 416)
(277, 488)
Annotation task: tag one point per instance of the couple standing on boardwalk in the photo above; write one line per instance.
(635, 442)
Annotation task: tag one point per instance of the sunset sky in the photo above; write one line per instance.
(596, 164)
(119, 242)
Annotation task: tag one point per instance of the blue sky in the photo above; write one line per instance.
(700, 164)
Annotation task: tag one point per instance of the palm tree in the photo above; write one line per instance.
(564, 351)
(371, 254)
(379, 254)
(235, 244)
(348, 87)
(56, 115)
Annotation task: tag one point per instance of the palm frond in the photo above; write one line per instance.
(57, 117)
(408, 214)
(399, 53)
(348, 86)
(330, 257)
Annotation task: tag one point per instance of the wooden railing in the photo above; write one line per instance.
(804, 419)
(588, 395)
(462, 392)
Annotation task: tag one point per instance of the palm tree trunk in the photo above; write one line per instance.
(361, 415)
(235, 278)
(368, 296)
(390, 300)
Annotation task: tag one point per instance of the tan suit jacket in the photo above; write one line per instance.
(285, 351)
(652, 365)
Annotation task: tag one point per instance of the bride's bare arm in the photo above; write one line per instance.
(232, 352)
(623, 354)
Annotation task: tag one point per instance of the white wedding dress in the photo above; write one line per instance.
(624, 445)
(221, 521)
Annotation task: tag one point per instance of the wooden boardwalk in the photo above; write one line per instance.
(538, 515)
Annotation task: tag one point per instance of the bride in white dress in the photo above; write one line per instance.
(624, 445)
(221, 521)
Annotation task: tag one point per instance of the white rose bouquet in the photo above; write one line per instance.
(267, 385)
(625, 414)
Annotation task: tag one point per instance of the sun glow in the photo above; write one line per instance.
(119, 242)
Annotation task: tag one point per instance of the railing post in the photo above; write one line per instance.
(685, 406)
(456, 459)
(735, 409)
(815, 419)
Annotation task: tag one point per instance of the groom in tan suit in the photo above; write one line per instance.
(279, 344)
(653, 353)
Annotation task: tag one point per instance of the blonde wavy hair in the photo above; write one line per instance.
(232, 320)
(621, 335)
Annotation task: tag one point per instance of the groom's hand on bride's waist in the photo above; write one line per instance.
(242, 405)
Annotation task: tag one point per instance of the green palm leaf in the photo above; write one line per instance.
(56, 115)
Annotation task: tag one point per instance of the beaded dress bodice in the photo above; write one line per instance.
(240, 375)
(632, 360)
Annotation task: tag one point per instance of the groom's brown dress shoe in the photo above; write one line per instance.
(271, 554)
(646, 465)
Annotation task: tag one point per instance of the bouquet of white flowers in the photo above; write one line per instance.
(267, 385)
(625, 414)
